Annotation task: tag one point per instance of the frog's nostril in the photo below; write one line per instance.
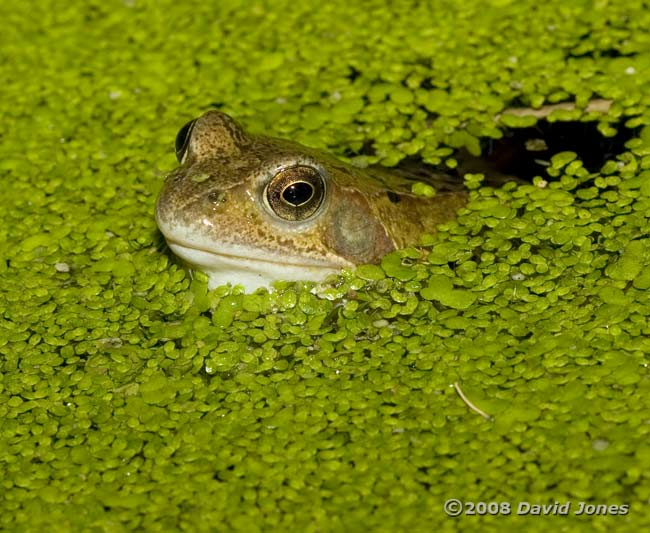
(217, 197)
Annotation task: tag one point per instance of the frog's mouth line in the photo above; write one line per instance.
(251, 273)
(183, 250)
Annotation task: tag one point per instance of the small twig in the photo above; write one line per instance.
(470, 404)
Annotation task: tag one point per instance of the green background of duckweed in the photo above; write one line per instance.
(130, 398)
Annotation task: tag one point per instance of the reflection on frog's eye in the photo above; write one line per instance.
(296, 193)
(183, 139)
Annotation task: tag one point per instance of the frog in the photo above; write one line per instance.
(250, 210)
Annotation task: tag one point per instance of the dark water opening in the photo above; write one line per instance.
(523, 153)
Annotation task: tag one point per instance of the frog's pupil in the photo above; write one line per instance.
(298, 193)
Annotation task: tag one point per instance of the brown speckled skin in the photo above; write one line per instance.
(218, 194)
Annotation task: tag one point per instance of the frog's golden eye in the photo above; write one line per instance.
(183, 139)
(296, 193)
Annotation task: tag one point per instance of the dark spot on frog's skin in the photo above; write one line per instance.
(393, 196)
(177, 176)
(217, 197)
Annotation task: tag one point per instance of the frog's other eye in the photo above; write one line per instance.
(183, 139)
(296, 193)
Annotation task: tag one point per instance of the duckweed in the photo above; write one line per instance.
(132, 398)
